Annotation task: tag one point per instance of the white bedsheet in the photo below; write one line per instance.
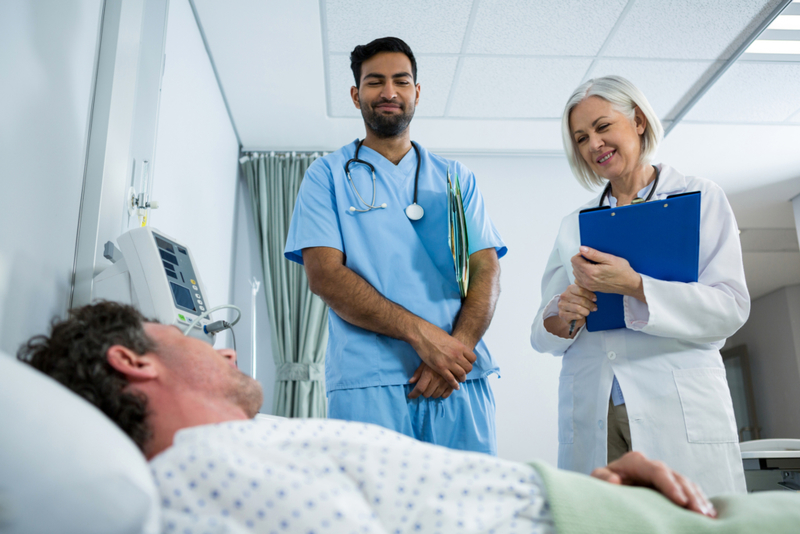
(316, 476)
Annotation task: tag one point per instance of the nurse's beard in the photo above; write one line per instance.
(386, 126)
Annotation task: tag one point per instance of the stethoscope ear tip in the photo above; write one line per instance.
(352, 208)
(383, 205)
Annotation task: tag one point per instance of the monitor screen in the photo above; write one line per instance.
(166, 245)
(168, 257)
(183, 297)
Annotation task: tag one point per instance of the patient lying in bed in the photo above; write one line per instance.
(219, 470)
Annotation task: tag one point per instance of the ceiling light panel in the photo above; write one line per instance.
(708, 29)
(650, 75)
(490, 87)
(427, 27)
(774, 46)
(751, 92)
(545, 27)
(434, 74)
(785, 22)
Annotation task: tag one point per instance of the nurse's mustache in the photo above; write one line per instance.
(385, 101)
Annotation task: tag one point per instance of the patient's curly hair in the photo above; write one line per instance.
(75, 355)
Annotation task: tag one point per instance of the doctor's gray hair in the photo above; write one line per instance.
(625, 98)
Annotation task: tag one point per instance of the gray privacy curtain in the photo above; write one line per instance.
(298, 318)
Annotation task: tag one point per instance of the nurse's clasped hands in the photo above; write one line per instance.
(429, 384)
(443, 354)
(356, 301)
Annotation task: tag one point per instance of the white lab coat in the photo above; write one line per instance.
(666, 360)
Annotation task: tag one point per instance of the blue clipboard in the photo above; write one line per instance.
(660, 239)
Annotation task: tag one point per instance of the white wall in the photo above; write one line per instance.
(196, 159)
(47, 56)
(527, 197)
(772, 336)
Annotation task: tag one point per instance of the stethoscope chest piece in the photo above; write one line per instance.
(414, 212)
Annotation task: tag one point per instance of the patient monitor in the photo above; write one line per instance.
(159, 277)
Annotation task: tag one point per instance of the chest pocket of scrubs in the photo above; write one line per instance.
(707, 406)
(566, 407)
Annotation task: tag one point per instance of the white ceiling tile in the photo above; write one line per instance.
(434, 74)
(751, 92)
(427, 26)
(795, 117)
(516, 87)
(650, 77)
(263, 87)
(546, 27)
(687, 29)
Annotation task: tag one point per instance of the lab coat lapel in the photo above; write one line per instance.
(670, 182)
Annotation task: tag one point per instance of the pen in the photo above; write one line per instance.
(571, 327)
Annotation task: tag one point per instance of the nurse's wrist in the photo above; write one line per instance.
(412, 331)
(465, 338)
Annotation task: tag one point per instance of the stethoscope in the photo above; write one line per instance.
(607, 191)
(414, 211)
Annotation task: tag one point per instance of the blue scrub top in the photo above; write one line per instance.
(408, 262)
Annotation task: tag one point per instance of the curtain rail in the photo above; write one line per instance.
(246, 154)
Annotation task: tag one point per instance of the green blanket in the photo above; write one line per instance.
(583, 505)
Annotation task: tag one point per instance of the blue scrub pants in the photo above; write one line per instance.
(464, 420)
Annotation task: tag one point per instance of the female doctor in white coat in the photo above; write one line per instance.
(658, 385)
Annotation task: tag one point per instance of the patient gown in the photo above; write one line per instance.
(320, 476)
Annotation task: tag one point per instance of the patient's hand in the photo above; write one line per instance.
(634, 469)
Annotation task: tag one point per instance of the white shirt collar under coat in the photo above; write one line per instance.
(670, 182)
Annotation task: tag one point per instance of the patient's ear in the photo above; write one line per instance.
(134, 366)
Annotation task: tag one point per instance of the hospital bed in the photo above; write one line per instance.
(771, 464)
(65, 468)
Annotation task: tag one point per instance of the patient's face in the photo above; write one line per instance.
(197, 366)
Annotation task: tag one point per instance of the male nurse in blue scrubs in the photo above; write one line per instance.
(404, 350)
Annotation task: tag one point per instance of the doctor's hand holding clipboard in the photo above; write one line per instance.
(652, 380)
(594, 271)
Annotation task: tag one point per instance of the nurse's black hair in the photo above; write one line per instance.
(75, 355)
(361, 53)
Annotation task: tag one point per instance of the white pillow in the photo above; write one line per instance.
(64, 466)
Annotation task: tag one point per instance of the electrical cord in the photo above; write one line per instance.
(219, 326)
(216, 326)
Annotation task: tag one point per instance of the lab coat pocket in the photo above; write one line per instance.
(707, 406)
(565, 409)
